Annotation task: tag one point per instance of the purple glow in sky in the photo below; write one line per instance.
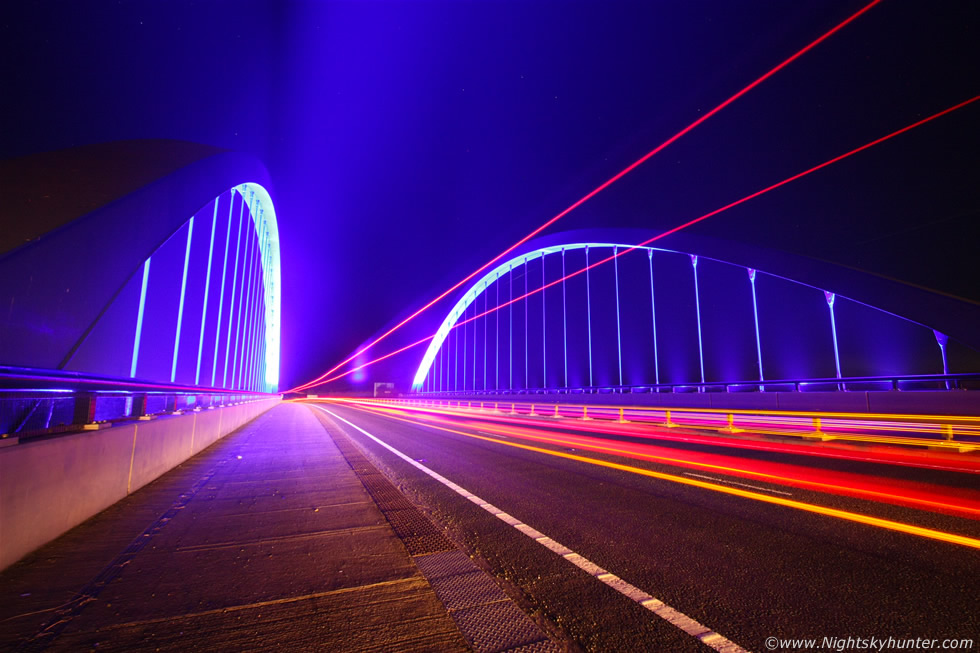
(410, 142)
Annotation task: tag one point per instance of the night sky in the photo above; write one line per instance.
(410, 142)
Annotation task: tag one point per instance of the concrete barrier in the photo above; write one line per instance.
(50, 486)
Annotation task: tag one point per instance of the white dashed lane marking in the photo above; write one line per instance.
(726, 481)
(654, 605)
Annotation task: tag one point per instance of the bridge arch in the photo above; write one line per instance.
(122, 277)
(795, 332)
(203, 307)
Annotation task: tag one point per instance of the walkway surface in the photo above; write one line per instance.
(268, 539)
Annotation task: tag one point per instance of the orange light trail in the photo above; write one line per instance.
(609, 182)
(846, 515)
(835, 425)
(915, 495)
(608, 424)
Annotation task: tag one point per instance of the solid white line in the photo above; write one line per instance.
(658, 607)
(723, 480)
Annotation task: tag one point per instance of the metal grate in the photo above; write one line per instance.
(417, 533)
(467, 590)
(497, 627)
(448, 563)
(484, 614)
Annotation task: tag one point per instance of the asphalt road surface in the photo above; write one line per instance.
(613, 552)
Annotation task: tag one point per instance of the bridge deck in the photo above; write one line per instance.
(266, 539)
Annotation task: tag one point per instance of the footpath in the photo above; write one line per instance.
(272, 538)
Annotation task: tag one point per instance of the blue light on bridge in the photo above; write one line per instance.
(719, 317)
(207, 288)
(755, 317)
(139, 316)
(697, 308)
(183, 291)
(252, 306)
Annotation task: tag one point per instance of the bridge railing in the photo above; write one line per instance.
(35, 403)
(904, 382)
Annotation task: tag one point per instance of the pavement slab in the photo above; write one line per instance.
(267, 539)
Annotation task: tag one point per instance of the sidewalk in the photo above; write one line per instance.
(268, 539)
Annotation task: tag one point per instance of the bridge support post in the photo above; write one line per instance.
(564, 318)
(84, 413)
(697, 308)
(653, 315)
(830, 297)
(139, 407)
(818, 432)
(758, 341)
(948, 432)
(942, 339)
(588, 309)
(730, 428)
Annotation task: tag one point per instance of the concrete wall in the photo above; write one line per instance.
(956, 402)
(50, 486)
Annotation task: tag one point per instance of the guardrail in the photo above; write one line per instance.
(905, 382)
(36, 403)
(951, 432)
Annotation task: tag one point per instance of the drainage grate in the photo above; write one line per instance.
(544, 646)
(486, 617)
(386, 494)
(449, 563)
(467, 590)
(419, 535)
(497, 627)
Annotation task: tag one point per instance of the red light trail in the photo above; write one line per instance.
(729, 206)
(914, 494)
(673, 230)
(917, 495)
(733, 204)
(748, 440)
(609, 182)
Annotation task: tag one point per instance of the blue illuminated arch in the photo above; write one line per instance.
(265, 224)
(264, 238)
(493, 275)
(475, 291)
(74, 292)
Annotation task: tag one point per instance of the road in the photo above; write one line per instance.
(704, 557)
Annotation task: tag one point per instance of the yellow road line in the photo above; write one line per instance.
(926, 424)
(888, 524)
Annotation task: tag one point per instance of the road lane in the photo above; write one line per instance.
(917, 487)
(800, 443)
(748, 571)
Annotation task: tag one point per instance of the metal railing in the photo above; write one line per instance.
(35, 403)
